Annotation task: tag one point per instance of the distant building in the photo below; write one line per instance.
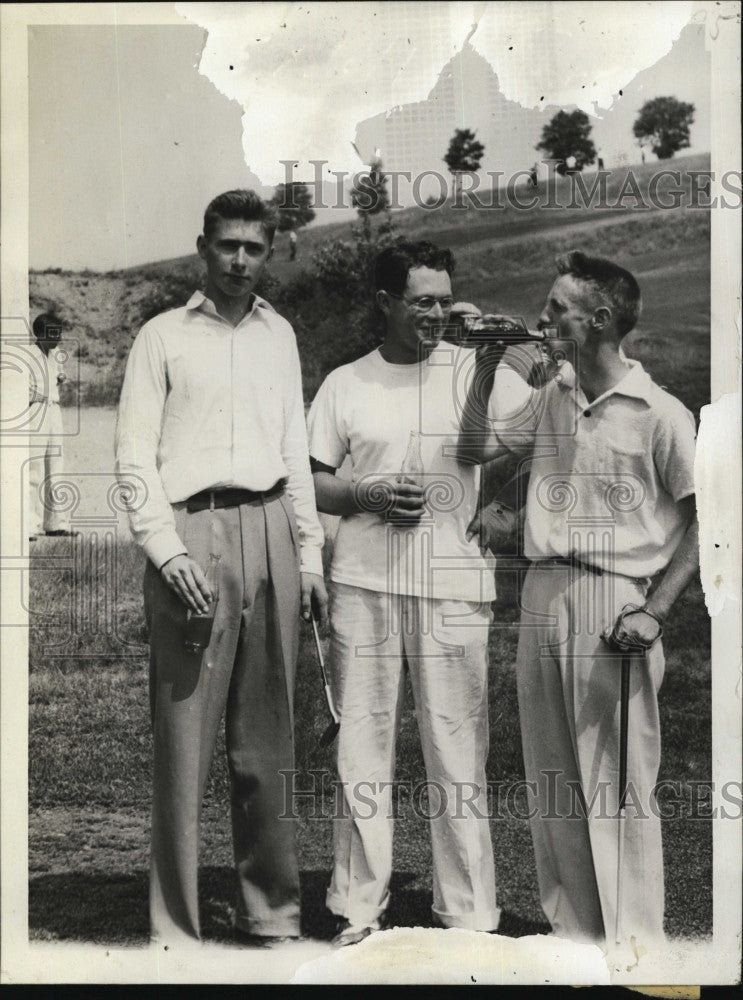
(415, 137)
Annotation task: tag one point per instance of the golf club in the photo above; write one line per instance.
(623, 724)
(332, 731)
(626, 649)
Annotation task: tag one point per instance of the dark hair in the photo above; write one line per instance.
(394, 263)
(611, 281)
(44, 322)
(241, 204)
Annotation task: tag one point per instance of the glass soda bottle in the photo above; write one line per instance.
(491, 329)
(411, 470)
(199, 625)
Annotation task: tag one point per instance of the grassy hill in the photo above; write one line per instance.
(504, 261)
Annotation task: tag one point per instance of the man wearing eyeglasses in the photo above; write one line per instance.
(407, 587)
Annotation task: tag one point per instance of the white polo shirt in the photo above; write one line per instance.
(606, 476)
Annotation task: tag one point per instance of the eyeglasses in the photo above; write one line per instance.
(425, 303)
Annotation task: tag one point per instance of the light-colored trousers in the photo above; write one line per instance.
(247, 671)
(445, 645)
(46, 462)
(568, 692)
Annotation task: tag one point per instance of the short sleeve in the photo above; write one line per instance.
(326, 433)
(673, 449)
(514, 409)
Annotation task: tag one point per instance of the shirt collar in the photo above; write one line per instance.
(636, 383)
(199, 302)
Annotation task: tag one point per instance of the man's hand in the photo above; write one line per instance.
(314, 595)
(393, 498)
(409, 502)
(496, 527)
(186, 579)
(633, 628)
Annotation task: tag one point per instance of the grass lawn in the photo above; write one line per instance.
(89, 773)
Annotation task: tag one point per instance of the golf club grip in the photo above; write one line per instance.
(623, 728)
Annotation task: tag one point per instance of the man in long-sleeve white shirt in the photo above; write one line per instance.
(211, 431)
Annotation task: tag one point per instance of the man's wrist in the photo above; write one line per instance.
(164, 546)
(659, 614)
(311, 560)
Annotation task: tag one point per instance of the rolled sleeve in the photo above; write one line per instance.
(674, 448)
(514, 409)
(327, 441)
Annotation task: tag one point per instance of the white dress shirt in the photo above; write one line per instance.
(206, 405)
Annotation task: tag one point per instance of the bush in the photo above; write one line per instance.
(332, 307)
(171, 290)
(105, 388)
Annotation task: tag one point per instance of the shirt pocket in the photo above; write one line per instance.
(624, 474)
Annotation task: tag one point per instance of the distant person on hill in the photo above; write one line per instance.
(47, 463)
(292, 244)
(533, 176)
(211, 419)
(408, 586)
(610, 506)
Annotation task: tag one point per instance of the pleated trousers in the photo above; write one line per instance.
(246, 675)
(568, 683)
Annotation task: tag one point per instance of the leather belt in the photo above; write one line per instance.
(232, 497)
(573, 563)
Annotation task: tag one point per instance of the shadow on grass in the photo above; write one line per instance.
(103, 908)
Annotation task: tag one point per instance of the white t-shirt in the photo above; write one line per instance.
(366, 410)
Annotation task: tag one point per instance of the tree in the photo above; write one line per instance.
(294, 204)
(369, 194)
(463, 155)
(566, 136)
(664, 122)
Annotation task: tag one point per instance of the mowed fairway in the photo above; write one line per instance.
(90, 740)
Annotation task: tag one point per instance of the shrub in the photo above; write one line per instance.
(332, 307)
(172, 289)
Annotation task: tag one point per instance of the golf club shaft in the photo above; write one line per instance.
(623, 731)
(318, 647)
(321, 661)
(623, 727)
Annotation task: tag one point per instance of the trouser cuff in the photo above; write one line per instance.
(267, 928)
(487, 920)
(358, 917)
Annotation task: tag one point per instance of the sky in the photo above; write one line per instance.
(130, 138)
